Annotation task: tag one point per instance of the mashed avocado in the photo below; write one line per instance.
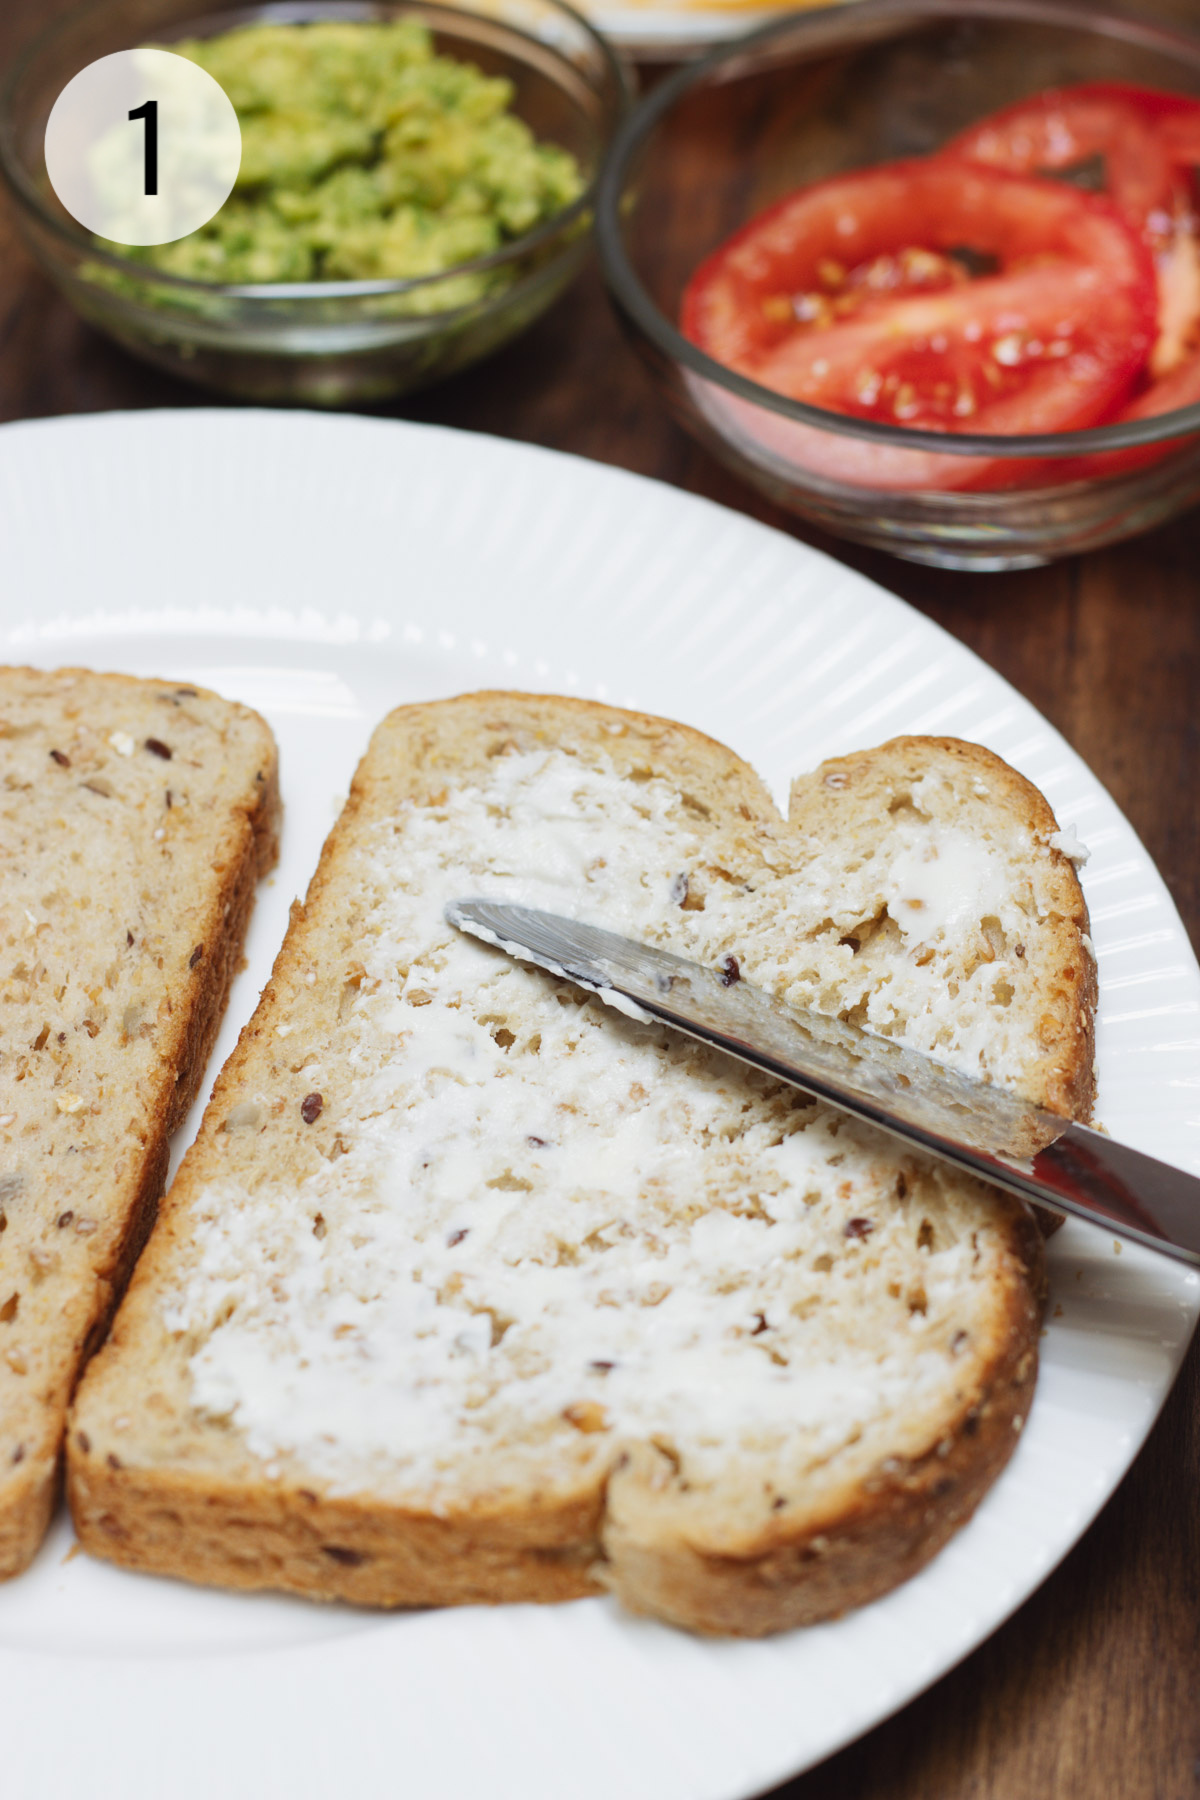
(366, 156)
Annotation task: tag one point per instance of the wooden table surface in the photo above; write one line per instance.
(1093, 1689)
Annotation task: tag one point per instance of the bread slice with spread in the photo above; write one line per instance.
(473, 1290)
(135, 819)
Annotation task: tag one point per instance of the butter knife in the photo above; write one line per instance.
(986, 1130)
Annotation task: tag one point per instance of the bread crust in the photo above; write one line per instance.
(244, 849)
(296, 1540)
(199, 1506)
(880, 1533)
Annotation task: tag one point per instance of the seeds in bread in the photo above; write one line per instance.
(135, 819)
(472, 1291)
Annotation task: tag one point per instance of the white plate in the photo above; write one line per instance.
(662, 33)
(324, 570)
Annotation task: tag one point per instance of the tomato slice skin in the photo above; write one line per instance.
(1075, 289)
(1178, 389)
(992, 325)
(1181, 135)
(1150, 140)
(851, 218)
(1064, 127)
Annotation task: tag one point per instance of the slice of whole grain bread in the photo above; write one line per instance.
(135, 818)
(471, 1290)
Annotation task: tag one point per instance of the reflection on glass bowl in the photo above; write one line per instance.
(814, 96)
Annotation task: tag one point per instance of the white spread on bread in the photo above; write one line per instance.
(547, 1221)
(1071, 846)
(942, 882)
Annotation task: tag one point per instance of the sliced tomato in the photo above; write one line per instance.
(1181, 135)
(1180, 388)
(1065, 128)
(1051, 341)
(1174, 391)
(780, 446)
(758, 287)
(1148, 139)
(1014, 353)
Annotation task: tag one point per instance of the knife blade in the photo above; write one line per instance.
(987, 1130)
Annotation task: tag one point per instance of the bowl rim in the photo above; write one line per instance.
(244, 12)
(836, 26)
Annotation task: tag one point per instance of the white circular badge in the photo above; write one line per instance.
(143, 147)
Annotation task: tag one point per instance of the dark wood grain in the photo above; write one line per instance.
(1093, 1689)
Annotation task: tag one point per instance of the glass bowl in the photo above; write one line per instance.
(841, 89)
(321, 343)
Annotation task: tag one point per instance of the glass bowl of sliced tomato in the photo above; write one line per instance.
(927, 272)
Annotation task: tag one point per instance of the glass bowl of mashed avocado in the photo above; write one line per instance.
(415, 188)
